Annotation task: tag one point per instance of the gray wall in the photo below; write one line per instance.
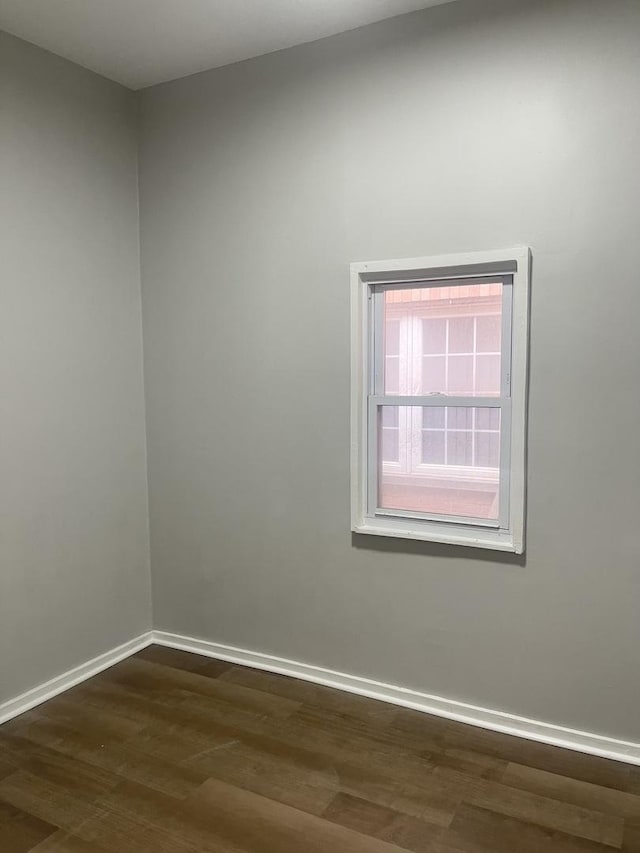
(469, 126)
(74, 562)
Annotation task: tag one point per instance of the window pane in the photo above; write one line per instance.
(488, 333)
(451, 467)
(390, 416)
(432, 417)
(439, 332)
(434, 337)
(390, 445)
(392, 337)
(488, 449)
(460, 374)
(433, 374)
(460, 448)
(392, 355)
(488, 419)
(461, 418)
(488, 374)
(433, 447)
(461, 334)
(392, 374)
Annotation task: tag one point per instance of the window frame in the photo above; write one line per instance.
(368, 279)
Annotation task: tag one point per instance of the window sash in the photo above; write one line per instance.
(374, 462)
(376, 326)
(377, 398)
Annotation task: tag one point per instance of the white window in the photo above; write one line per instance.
(439, 390)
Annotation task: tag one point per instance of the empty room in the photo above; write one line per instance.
(319, 426)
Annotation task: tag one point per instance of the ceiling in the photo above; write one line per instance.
(142, 42)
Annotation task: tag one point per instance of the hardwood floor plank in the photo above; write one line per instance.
(634, 780)
(422, 728)
(6, 767)
(7, 811)
(380, 734)
(552, 814)
(432, 801)
(133, 707)
(631, 837)
(122, 833)
(383, 823)
(586, 794)
(186, 661)
(154, 677)
(20, 832)
(478, 830)
(285, 759)
(45, 800)
(469, 762)
(157, 817)
(565, 762)
(309, 775)
(38, 728)
(265, 767)
(245, 820)
(127, 762)
(71, 710)
(305, 692)
(344, 739)
(63, 842)
(122, 759)
(179, 743)
(196, 721)
(84, 781)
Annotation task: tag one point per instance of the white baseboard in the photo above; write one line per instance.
(498, 721)
(40, 694)
(450, 709)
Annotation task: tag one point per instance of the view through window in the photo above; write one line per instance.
(442, 341)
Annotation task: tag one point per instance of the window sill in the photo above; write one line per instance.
(447, 534)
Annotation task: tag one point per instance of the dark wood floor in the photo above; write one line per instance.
(171, 752)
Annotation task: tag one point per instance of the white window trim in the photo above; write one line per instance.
(514, 262)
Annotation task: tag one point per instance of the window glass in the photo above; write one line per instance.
(433, 450)
(487, 381)
(392, 356)
(488, 333)
(461, 334)
(390, 433)
(460, 375)
(434, 336)
(455, 453)
(450, 340)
